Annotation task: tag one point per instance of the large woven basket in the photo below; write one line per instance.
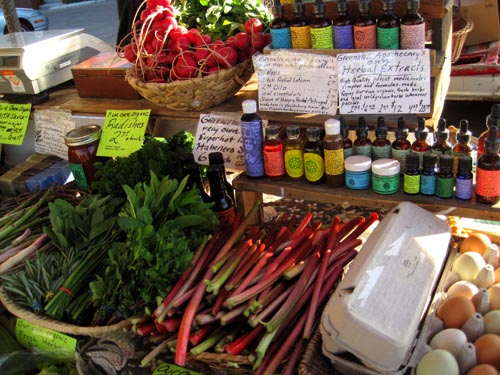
(461, 28)
(194, 94)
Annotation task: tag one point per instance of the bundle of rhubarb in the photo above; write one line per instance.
(253, 294)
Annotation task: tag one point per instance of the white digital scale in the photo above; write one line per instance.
(34, 61)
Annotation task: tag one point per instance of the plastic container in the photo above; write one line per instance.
(385, 176)
(357, 172)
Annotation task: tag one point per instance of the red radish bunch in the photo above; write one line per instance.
(164, 51)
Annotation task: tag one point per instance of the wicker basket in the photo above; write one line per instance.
(461, 27)
(194, 94)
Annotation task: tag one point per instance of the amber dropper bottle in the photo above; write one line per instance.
(421, 146)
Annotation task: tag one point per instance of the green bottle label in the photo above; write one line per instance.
(444, 187)
(388, 38)
(322, 38)
(314, 166)
(294, 163)
(79, 176)
(411, 184)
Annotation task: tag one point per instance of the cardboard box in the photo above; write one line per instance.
(484, 14)
(103, 76)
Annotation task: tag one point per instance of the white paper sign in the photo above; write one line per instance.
(395, 81)
(51, 126)
(296, 82)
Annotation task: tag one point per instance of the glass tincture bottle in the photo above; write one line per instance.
(195, 180)
(217, 158)
(294, 153)
(381, 146)
(321, 28)
(420, 145)
(223, 205)
(344, 131)
(401, 146)
(411, 178)
(463, 183)
(251, 135)
(463, 145)
(388, 27)
(444, 179)
(362, 145)
(488, 170)
(428, 176)
(280, 28)
(300, 28)
(365, 27)
(333, 150)
(342, 27)
(493, 119)
(314, 165)
(412, 28)
(274, 162)
(441, 146)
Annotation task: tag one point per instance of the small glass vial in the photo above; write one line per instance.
(388, 27)
(223, 205)
(428, 176)
(357, 172)
(401, 146)
(488, 170)
(365, 27)
(412, 33)
(333, 150)
(344, 131)
(421, 146)
(321, 28)
(342, 27)
(362, 145)
(385, 176)
(217, 158)
(463, 145)
(251, 135)
(464, 178)
(411, 178)
(274, 160)
(493, 119)
(82, 145)
(300, 28)
(294, 153)
(314, 164)
(381, 146)
(441, 146)
(445, 180)
(280, 28)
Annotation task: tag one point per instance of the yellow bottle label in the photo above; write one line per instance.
(301, 37)
(334, 162)
(314, 166)
(294, 163)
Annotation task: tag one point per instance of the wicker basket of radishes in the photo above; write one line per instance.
(184, 68)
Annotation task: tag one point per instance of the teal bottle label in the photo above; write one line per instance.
(385, 184)
(348, 152)
(388, 38)
(357, 180)
(343, 37)
(400, 155)
(363, 150)
(281, 38)
(381, 152)
(428, 184)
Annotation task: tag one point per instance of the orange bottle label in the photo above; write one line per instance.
(487, 183)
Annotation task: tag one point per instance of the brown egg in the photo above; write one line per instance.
(454, 311)
(483, 370)
(497, 275)
(494, 296)
(488, 350)
(476, 242)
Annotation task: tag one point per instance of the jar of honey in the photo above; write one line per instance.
(82, 145)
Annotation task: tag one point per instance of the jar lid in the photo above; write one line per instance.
(385, 167)
(358, 163)
(82, 135)
(332, 126)
(249, 106)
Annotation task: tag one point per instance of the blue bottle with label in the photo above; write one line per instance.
(251, 136)
(279, 28)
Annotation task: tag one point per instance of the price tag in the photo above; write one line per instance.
(123, 132)
(13, 123)
(34, 337)
(169, 369)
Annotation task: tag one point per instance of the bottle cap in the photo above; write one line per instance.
(446, 163)
(429, 161)
(272, 130)
(318, 8)
(292, 131)
(442, 133)
(298, 8)
(413, 4)
(342, 5)
(186, 157)
(412, 160)
(313, 133)
(362, 129)
(493, 119)
(215, 158)
(492, 143)
(381, 131)
(344, 129)
(421, 132)
(332, 126)
(249, 106)
(402, 130)
(277, 10)
(464, 163)
(464, 134)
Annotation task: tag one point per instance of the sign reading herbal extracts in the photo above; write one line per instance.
(220, 133)
(395, 81)
(13, 123)
(51, 126)
(297, 82)
(123, 132)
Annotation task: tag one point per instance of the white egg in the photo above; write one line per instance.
(449, 339)
(437, 362)
(467, 265)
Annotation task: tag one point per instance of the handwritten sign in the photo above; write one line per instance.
(169, 369)
(13, 123)
(123, 132)
(396, 81)
(297, 82)
(51, 126)
(35, 337)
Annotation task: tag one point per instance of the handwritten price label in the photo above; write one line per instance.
(123, 132)
(169, 369)
(13, 123)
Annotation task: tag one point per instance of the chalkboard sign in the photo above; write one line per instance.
(388, 81)
(296, 82)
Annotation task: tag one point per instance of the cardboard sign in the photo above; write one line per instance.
(123, 132)
(51, 126)
(169, 369)
(13, 123)
(297, 82)
(388, 81)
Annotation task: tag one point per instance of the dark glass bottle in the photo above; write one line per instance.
(428, 177)
(463, 145)
(411, 178)
(412, 33)
(280, 28)
(362, 145)
(217, 158)
(294, 153)
(381, 147)
(321, 28)
(300, 27)
(251, 135)
(365, 27)
(493, 119)
(388, 27)
(333, 150)
(195, 180)
(444, 179)
(401, 146)
(344, 131)
(421, 146)
(441, 146)
(464, 179)
(223, 205)
(343, 37)
(274, 162)
(314, 165)
(488, 170)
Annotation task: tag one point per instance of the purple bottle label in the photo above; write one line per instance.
(251, 135)
(343, 37)
(463, 188)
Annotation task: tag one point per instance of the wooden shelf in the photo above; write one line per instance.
(248, 190)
